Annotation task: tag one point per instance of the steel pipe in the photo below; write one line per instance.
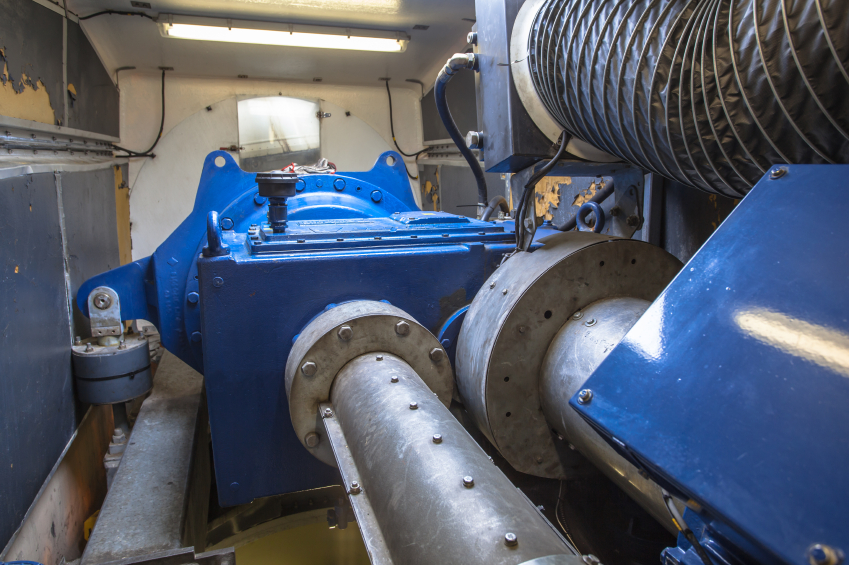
(436, 496)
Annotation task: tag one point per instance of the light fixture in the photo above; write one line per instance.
(285, 35)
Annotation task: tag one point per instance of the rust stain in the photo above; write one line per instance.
(17, 270)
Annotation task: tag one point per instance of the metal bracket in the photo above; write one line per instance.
(372, 535)
(104, 310)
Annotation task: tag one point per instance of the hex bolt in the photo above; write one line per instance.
(468, 482)
(632, 221)
(355, 488)
(311, 439)
(414, 405)
(437, 438)
(492, 284)
(379, 358)
(402, 328)
(615, 211)
(309, 368)
(122, 346)
(821, 554)
(777, 173)
(345, 333)
(77, 340)
(504, 291)
(102, 301)
(590, 323)
(88, 348)
(437, 354)
(393, 379)
(472, 37)
(328, 413)
(217, 282)
(585, 396)
(510, 539)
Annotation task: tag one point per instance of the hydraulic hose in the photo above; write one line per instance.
(458, 62)
(709, 93)
(496, 202)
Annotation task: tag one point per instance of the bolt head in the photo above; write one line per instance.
(615, 211)
(437, 354)
(591, 322)
(402, 328)
(217, 282)
(309, 368)
(328, 413)
(504, 291)
(102, 301)
(510, 539)
(89, 348)
(492, 284)
(472, 38)
(311, 439)
(437, 438)
(393, 379)
(193, 297)
(355, 488)
(379, 358)
(414, 405)
(585, 396)
(577, 315)
(632, 221)
(77, 340)
(468, 482)
(122, 346)
(821, 554)
(345, 333)
(777, 173)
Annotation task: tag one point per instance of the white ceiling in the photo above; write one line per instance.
(124, 41)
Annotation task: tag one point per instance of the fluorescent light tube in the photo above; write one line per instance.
(290, 36)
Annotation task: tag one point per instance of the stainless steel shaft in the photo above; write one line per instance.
(436, 495)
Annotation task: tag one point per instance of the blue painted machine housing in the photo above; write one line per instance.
(732, 389)
(350, 236)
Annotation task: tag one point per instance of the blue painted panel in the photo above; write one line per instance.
(733, 388)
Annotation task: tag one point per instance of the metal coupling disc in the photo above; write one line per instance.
(506, 335)
(371, 327)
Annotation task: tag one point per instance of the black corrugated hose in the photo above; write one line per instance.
(709, 93)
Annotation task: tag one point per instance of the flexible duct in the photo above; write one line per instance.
(709, 93)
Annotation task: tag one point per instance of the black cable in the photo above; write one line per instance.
(392, 127)
(148, 153)
(529, 189)
(118, 13)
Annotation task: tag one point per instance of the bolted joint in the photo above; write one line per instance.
(777, 173)
(510, 539)
(437, 438)
(345, 333)
(102, 301)
(312, 439)
(585, 396)
(402, 328)
(309, 368)
(468, 482)
(437, 354)
(355, 488)
(474, 140)
(472, 38)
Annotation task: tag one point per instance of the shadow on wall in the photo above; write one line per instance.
(163, 193)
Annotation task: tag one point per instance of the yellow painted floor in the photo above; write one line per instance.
(315, 544)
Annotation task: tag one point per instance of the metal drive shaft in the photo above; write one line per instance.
(434, 494)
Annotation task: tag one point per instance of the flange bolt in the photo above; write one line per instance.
(402, 328)
(355, 488)
(777, 173)
(414, 405)
(102, 301)
(585, 396)
(436, 354)
(309, 368)
(510, 539)
(468, 482)
(437, 438)
(345, 333)
(820, 554)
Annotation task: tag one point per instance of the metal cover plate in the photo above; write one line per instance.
(733, 386)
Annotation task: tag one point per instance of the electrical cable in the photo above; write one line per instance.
(118, 13)
(523, 242)
(557, 516)
(148, 153)
(682, 526)
(395, 141)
